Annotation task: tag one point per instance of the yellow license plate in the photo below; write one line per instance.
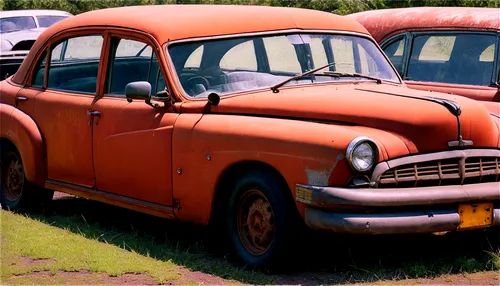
(475, 215)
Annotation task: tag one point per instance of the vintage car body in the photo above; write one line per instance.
(467, 63)
(216, 145)
(19, 29)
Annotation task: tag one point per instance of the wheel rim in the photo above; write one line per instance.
(12, 176)
(255, 221)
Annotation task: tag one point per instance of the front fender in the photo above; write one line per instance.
(22, 131)
(303, 152)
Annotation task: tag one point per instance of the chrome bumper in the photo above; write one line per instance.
(322, 214)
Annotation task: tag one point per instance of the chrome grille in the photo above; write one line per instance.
(468, 170)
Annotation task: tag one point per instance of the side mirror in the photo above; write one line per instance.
(138, 90)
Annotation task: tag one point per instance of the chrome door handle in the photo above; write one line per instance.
(94, 113)
(22, 98)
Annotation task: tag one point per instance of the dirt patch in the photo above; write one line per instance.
(81, 278)
(28, 261)
(200, 278)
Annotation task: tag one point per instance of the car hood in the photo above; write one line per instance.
(10, 39)
(423, 124)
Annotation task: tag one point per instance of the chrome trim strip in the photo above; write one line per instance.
(412, 159)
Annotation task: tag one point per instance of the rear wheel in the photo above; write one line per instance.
(16, 191)
(260, 219)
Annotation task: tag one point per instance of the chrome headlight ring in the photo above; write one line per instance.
(362, 154)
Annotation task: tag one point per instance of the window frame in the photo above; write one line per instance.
(52, 43)
(408, 49)
(407, 40)
(138, 37)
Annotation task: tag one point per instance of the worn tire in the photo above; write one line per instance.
(16, 192)
(260, 219)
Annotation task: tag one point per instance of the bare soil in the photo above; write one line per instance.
(196, 277)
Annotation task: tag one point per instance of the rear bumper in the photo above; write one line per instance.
(325, 205)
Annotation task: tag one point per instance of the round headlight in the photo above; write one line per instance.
(362, 154)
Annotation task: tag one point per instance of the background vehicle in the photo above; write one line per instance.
(18, 31)
(253, 127)
(445, 49)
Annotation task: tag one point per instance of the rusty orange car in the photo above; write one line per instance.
(444, 49)
(256, 121)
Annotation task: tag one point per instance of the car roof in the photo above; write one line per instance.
(173, 22)
(385, 22)
(33, 12)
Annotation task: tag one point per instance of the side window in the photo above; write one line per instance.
(133, 61)
(463, 58)
(39, 71)
(131, 48)
(74, 64)
(395, 51)
(240, 57)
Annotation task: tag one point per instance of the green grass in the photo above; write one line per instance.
(78, 234)
(22, 236)
(80, 241)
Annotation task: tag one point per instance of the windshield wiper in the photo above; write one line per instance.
(275, 87)
(340, 74)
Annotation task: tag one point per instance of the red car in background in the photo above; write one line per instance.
(445, 49)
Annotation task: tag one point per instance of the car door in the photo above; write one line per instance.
(132, 140)
(61, 108)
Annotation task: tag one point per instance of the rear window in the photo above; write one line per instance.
(47, 21)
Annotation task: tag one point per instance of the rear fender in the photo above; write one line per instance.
(22, 131)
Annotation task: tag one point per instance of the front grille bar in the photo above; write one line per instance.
(457, 167)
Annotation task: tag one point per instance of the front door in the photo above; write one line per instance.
(132, 140)
(61, 108)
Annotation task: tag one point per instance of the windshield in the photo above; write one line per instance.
(12, 24)
(248, 63)
(47, 21)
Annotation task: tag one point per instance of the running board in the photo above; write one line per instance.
(112, 199)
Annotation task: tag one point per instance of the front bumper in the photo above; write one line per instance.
(433, 209)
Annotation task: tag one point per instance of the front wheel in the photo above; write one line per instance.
(260, 219)
(15, 190)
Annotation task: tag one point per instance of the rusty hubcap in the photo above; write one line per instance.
(255, 221)
(12, 176)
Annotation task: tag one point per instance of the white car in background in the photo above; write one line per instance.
(18, 31)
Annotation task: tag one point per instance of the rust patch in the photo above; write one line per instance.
(320, 177)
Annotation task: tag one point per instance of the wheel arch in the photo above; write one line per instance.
(230, 174)
(19, 129)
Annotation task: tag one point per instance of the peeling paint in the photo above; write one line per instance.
(321, 177)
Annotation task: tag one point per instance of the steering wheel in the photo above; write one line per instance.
(192, 82)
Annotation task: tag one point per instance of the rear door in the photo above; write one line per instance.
(61, 108)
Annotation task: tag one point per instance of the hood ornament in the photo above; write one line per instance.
(460, 142)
